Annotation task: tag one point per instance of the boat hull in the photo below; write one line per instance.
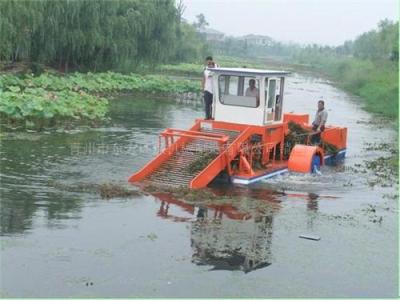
(329, 160)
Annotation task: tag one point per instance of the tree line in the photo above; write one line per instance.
(377, 44)
(97, 34)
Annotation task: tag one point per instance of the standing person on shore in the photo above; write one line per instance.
(207, 87)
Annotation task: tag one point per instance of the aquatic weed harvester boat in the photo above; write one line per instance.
(249, 138)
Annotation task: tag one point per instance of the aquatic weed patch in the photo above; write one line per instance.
(245, 203)
(109, 190)
(106, 190)
(28, 103)
(76, 96)
(107, 82)
(36, 103)
(383, 169)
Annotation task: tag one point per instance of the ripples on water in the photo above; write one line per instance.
(181, 239)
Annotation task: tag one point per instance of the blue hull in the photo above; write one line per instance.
(329, 160)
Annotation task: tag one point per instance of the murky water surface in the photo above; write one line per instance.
(57, 242)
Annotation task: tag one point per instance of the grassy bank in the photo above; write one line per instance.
(28, 99)
(376, 82)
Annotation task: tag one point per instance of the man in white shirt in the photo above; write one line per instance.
(252, 91)
(321, 116)
(207, 87)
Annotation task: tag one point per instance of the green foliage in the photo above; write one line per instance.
(376, 82)
(75, 96)
(201, 21)
(38, 103)
(193, 69)
(189, 45)
(235, 62)
(95, 34)
(367, 67)
(379, 44)
(100, 83)
(181, 69)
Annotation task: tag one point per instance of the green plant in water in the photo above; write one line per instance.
(76, 96)
(204, 159)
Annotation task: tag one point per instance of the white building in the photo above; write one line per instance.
(260, 40)
(211, 34)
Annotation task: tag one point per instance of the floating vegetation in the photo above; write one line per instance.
(245, 202)
(385, 168)
(26, 99)
(184, 193)
(205, 157)
(110, 190)
(98, 83)
(392, 148)
(382, 168)
(152, 236)
(31, 104)
(106, 190)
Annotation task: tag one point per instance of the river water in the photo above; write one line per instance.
(60, 241)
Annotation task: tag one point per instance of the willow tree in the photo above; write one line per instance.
(18, 21)
(91, 34)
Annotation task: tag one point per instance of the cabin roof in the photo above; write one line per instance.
(248, 71)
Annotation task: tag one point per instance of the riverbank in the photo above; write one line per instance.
(376, 83)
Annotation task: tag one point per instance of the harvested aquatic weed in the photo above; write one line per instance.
(299, 135)
(205, 157)
(297, 129)
(329, 148)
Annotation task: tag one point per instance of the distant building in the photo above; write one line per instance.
(260, 40)
(211, 34)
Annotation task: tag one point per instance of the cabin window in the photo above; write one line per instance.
(271, 93)
(239, 90)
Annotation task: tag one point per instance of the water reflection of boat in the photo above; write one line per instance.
(227, 244)
(226, 237)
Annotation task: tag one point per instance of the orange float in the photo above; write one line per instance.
(302, 158)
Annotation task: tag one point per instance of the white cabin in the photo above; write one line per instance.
(236, 102)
